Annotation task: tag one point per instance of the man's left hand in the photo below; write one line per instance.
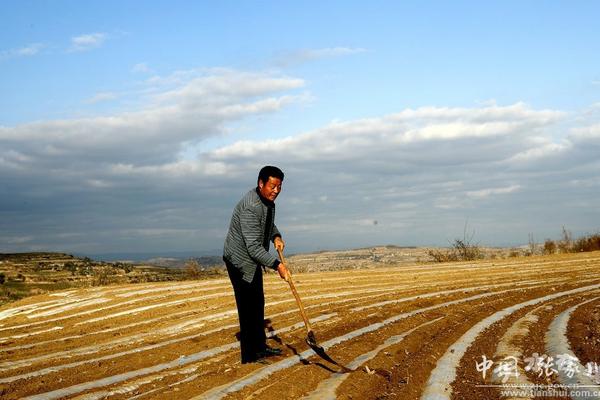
(279, 243)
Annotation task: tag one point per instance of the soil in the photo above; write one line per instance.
(178, 339)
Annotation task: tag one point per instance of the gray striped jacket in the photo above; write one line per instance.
(244, 243)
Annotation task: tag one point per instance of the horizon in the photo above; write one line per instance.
(183, 254)
(128, 127)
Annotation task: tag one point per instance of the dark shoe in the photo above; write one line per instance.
(269, 352)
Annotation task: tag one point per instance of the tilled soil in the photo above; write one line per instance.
(394, 325)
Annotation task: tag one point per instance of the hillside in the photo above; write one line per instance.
(26, 274)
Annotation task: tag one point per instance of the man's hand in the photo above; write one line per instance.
(279, 243)
(284, 273)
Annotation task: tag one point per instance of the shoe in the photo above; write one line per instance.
(268, 352)
(262, 355)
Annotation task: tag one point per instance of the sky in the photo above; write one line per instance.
(136, 126)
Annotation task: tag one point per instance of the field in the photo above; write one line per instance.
(407, 331)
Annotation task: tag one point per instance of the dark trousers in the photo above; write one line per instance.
(250, 301)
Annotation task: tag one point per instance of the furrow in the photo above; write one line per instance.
(438, 386)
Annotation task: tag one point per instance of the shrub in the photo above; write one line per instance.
(70, 266)
(466, 251)
(514, 253)
(193, 270)
(566, 243)
(462, 250)
(549, 247)
(587, 243)
(442, 256)
(532, 245)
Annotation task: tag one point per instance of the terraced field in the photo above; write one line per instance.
(407, 332)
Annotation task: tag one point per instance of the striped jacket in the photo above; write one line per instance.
(245, 245)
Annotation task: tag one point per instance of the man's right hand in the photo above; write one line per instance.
(284, 273)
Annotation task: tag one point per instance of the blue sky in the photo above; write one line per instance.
(134, 126)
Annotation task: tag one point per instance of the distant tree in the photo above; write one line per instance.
(587, 243)
(566, 243)
(549, 247)
(193, 269)
(442, 256)
(70, 266)
(127, 267)
(532, 245)
(462, 249)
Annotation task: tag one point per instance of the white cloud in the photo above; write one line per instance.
(332, 52)
(141, 68)
(87, 41)
(392, 135)
(30, 50)
(540, 152)
(590, 132)
(154, 135)
(101, 97)
(483, 193)
(222, 85)
(27, 51)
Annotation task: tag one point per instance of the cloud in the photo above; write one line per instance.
(331, 52)
(30, 50)
(101, 97)
(483, 193)
(119, 182)
(291, 58)
(16, 240)
(27, 51)
(409, 130)
(141, 68)
(87, 41)
(190, 113)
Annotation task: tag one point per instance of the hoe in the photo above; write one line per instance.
(310, 336)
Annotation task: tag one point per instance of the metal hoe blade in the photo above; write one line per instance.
(312, 342)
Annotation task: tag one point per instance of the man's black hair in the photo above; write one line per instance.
(268, 171)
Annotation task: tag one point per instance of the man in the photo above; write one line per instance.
(246, 250)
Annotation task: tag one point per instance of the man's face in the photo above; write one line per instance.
(270, 189)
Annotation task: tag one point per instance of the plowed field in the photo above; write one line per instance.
(407, 332)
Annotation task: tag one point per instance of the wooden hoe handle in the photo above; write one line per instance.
(298, 301)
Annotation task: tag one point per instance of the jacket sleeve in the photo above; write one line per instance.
(275, 233)
(252, 233)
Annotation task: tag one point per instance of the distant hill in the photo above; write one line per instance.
(172, 262)
(137, 257)
(25, 274)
